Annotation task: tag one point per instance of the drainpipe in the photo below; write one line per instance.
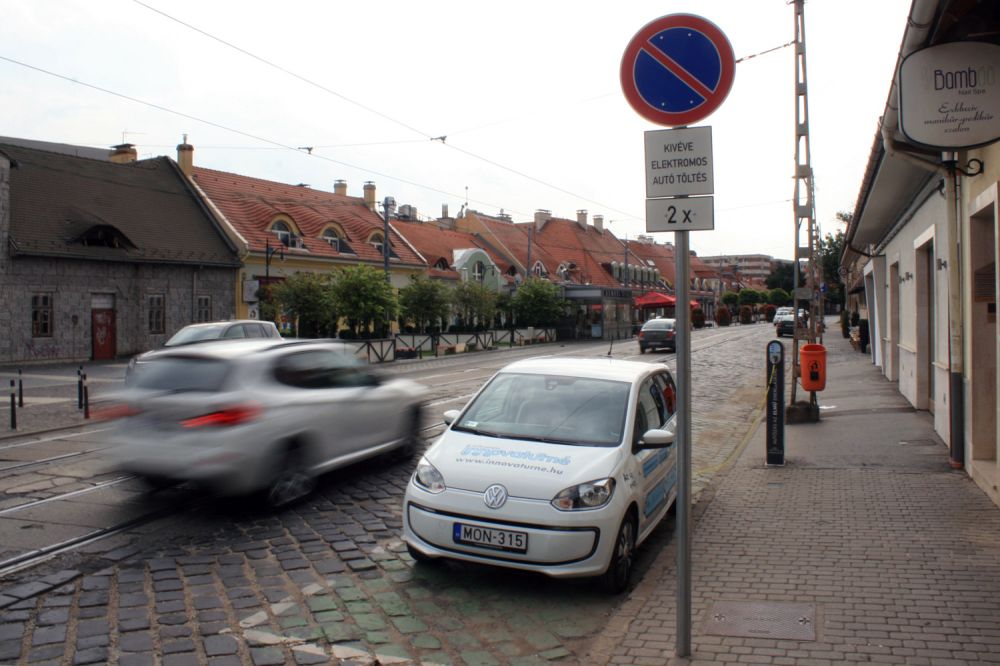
(956, 332)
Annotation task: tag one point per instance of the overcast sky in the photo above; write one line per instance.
(527, 95)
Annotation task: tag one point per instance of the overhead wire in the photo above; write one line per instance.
(225, 128)
(319, 86)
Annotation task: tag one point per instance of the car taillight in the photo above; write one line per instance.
(230, 416)
(641, 335)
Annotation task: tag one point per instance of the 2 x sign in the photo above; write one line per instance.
(680, 214)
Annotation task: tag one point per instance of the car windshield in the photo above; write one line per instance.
(179, 374)
(580, 411)
(658, 325)
(195, 334)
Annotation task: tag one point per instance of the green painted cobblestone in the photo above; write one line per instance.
(357, 607)
(438, 658)
(377, 638)
(328, 616)
(322, 603)
(350, 594)
(409, 625)
(370, 622)
(392, 603)
(479, 658)
(426, 642)
(558, 653)
(340, 632)
(462, 639)
(290, 622)
(541, 640)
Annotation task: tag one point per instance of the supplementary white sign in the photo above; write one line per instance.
(680, 214)
(679, 162)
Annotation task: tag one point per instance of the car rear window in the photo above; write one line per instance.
(179, 374)
(194, 334)
(658, 325)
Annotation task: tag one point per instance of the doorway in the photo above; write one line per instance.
(892, 344)
(925, 288)
(103, 340)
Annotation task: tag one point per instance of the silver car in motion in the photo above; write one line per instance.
(249, 415)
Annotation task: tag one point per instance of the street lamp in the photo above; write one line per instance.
(388, 205)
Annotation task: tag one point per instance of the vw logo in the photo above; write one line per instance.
(495, 496)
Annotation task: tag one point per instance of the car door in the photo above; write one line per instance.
(326, 400)
(657, 471)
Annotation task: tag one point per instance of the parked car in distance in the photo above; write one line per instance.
(264, 414)
(657, 333)
(561, 466)
(237, 329)
(785, 324)
(223, 330)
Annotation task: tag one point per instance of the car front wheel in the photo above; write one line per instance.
(615, 579)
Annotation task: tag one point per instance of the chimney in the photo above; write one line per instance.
(185, 157)
(541, 217)
(370, 196)
(124, 153)
(340, 187)
(599, 223)
(581, 217)
(444, 211)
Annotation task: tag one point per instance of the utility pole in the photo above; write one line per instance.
(805, 215)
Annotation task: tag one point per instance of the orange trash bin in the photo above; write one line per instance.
(812, 361)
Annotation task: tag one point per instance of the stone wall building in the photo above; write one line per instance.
(101, 259)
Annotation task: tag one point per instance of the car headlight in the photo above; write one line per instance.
(590, 495)
(428, 478)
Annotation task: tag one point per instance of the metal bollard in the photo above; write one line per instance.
(20, 390)
(13, 408)
(79, 387)
(86, 398)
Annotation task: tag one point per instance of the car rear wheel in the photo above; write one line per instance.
(615, 579)
(292, 483)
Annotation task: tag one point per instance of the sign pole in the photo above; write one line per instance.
(683, 283)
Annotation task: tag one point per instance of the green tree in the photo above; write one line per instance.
(424, 302)
(537, 303)
(364, 299)
(475, 304)
(831, 248)
(307, 298)
(781, 277)
(731, 299)
(749, 297)
(778, 296)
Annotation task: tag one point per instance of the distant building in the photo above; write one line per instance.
(103, 257)
(747, 266)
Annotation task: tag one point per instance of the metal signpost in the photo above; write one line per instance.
(677, 70)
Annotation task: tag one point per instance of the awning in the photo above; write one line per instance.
(695, 304)
(655, 299)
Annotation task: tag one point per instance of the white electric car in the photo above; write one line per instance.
(558, 465)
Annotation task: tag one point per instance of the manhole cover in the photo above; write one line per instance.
(759, 619)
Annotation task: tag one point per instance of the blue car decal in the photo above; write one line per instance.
(658, 495)
(654, 461)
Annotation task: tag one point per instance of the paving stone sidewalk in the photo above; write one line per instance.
(865, 547)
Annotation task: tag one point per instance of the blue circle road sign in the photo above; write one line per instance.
(677, 70)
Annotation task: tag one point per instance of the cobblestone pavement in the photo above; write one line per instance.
(329, 581)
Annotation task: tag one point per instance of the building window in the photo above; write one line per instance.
(41, 316)
(283, 232)
(157, 313)
(331, 237)
(204, 311)
(378, 242)
(478, 271)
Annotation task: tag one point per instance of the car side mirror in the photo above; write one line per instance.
(657, 439)
(451, 415)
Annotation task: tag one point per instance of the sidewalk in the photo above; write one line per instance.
(864, 547)
(51, 394)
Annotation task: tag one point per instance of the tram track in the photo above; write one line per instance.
(39, 555)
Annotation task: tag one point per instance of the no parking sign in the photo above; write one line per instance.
(677, 69)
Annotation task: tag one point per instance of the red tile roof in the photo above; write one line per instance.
(252, 204)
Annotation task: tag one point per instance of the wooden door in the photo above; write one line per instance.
(102, 328)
